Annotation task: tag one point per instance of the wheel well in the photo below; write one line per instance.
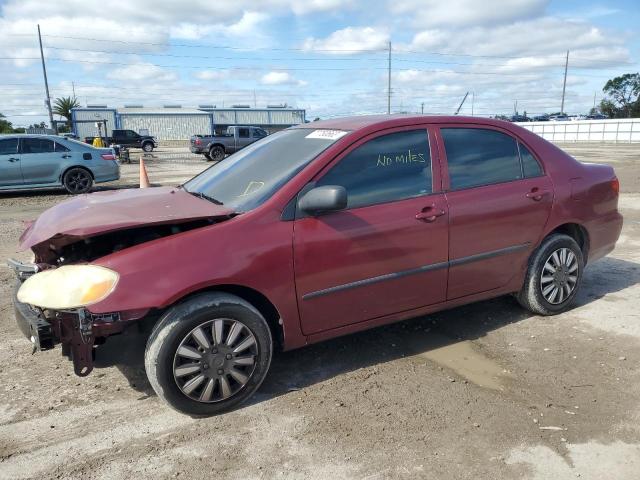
(578, 233)
(259, 301)
(76, 166)
(217, 145)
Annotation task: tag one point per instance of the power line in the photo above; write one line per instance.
(211, 57)
(399, 51)
(287, 69)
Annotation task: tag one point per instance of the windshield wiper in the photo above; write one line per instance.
(206, 197)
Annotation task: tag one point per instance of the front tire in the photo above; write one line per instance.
(147, 147)
(77, 180)
(208, 354)
(553, 276)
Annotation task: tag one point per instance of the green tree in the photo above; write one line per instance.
(623, 93)
(5, 125)
(63, 106)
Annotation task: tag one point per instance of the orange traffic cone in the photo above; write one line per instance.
(144, 178)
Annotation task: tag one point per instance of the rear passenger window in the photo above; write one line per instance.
(388, 168)
(477, 156)
(243, 133)
(61, 148)
(530, 165)
(37, 145)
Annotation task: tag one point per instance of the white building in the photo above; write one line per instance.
(173, 122)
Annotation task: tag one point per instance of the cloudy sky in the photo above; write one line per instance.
(328, 56)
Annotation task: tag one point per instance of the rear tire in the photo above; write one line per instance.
(77, 180)
(217, 153)
(147, 147)
(553, 276)
(209, 354)
(208, 157)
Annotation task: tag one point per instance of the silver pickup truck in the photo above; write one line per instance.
(216, 147)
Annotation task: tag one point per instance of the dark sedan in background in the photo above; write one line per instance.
(49, 161)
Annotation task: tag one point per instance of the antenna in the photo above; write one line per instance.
(462, 103)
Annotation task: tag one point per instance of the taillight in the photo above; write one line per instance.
(198, 141)
(615, 185)
(108, 156)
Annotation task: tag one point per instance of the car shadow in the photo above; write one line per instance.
(297, 369)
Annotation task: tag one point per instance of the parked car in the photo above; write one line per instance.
(317, 231)
(541, 118)
(597, 116)
(559, 118)
(520, 118)
(49, 161)
(128, 139)
(216, 147)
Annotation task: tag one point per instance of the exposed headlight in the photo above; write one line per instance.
(69, 286)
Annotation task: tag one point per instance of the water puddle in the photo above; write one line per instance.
(466, 361)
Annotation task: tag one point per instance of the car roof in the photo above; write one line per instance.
(32, 135)
(395, 120)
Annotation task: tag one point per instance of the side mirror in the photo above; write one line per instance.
(327, 198)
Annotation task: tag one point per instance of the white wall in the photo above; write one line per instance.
(168, 126)
(89, 129)
(620, 131)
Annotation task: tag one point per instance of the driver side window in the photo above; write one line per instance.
(388, 168)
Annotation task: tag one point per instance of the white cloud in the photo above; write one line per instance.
(212, 75)
(280, 78)
(350, 40)
(143, 73)
(303, 7)
(588, 44)
(467, 12)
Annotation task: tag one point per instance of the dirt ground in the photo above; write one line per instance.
(482, 391)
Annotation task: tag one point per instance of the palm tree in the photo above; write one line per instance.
(63, 106)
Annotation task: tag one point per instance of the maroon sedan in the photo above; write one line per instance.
(317, 231)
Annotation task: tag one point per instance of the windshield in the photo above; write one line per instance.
(248, 178)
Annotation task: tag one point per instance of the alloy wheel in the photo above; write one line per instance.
(78, 181)
(215, 360)
(559, 276)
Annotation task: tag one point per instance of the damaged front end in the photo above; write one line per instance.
(77, 330)
(55, 294)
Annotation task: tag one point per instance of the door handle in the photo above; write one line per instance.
(14, 160)
(66, 156)
(536, 195)
(430, 214)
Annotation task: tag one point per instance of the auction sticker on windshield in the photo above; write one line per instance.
(327, 134)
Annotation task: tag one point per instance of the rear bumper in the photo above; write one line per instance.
(197, 149)
(603, 235)
(108, 173)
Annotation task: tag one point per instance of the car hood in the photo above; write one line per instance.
(102, 212)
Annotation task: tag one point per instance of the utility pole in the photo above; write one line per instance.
(389, 83)
(422, 108)
(255, 104)
(515, 108)
(73, 87)
(46, 85)
(564, 84)
(594, 99)
(473, 101)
